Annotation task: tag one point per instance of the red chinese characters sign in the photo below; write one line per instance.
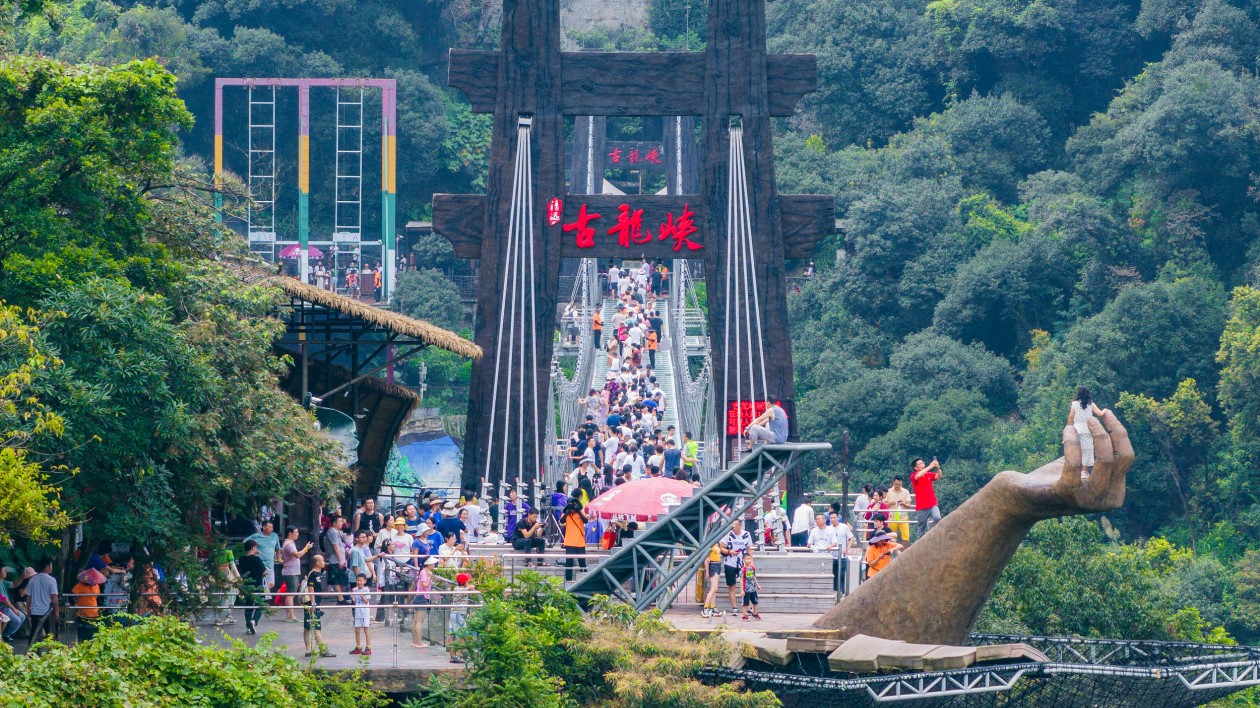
(740, 413)
(627, 155)
(630, 230)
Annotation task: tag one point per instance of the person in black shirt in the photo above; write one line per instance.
(368, 519)
(528, 537)
(315, 583)
(252, 569)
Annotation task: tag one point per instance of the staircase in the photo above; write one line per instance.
(654, 567)
(795, 582)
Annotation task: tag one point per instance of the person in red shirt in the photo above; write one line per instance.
(922, 476)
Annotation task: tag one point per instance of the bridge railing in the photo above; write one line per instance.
(695, 404)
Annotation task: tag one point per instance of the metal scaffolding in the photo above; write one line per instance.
(261, 211)
(654, 567)
(348, 209)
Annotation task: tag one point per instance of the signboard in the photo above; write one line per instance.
(740, 413)
(630, 229)
(624, 155)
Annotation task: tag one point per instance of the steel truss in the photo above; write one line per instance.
(653, 568)
(1082, 672)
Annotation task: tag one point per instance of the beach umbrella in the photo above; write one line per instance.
(643, 499)
(295, 251)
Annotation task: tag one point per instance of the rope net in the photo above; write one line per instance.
(1081, 673)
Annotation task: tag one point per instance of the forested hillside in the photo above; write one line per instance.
(1035, 195)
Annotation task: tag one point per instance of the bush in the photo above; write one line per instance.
(530, 645)
(159, 662)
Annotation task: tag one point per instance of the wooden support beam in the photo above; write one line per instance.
(804, 219)
(461, 218)
(633, 83)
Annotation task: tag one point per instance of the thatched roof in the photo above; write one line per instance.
(383, 408)
(393, 321)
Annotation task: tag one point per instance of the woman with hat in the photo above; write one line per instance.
(879, 552)
(86, 593)
(450, 523)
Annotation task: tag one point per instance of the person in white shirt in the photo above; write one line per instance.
(638, 467)
(473, 507)
(861, 504)
(802, 518)
(614, 278)
(610, 446)
(821, 539)
(41, 592)
(843, 536)
(732, 547)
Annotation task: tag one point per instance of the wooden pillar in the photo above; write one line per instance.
(736, 87)
(528, 86)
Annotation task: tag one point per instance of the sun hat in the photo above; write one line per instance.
(91, 576)
(432, 560)
(448, 509)
(400, 521)
(881, 537)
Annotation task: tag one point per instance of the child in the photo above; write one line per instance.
(361, 595)
(752, 586)
(459, 612)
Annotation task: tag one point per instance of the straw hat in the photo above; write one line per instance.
(91, 576)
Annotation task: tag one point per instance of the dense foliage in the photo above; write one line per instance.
(142, 361)
(530, 645)
(160, 662)
(1036, 197)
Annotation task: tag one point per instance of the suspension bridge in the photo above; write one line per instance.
(720, 218)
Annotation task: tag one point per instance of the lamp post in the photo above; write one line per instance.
(844, 475)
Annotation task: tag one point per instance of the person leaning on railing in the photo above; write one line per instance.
(87, 592)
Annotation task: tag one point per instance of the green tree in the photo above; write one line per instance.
(431, 296)
(80, 148)
(875, 65)
(1068, 579)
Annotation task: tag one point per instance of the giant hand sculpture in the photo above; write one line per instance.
(933, 593)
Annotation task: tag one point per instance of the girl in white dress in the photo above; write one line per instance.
(1078, 417)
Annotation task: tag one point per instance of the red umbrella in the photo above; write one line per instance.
(643, 499)
(295, 251)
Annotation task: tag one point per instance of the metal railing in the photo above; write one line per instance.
(695, 405)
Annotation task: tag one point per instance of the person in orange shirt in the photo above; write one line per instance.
(879, 552)
(598, 325)
(653, 343)
(574, 536)
(376, 282)
(87, 591)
